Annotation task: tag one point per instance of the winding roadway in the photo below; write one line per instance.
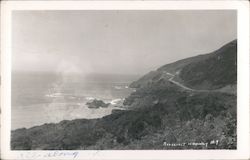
(171, 79)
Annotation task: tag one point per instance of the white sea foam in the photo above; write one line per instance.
(90, 98)
(118, 87)
(54, 95)
(115, 101)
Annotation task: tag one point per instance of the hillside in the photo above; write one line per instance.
(209, 71)
(169, 110)
(215, 72)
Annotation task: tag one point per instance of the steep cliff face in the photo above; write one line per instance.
(180, 103)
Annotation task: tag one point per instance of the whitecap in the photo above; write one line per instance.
(54, 95)
(115, 101)
(118, 87)
(90, 98)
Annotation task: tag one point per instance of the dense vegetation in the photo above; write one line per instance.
(215, 72)
(160, 115)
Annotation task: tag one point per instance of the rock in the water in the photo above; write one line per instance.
(97, 104)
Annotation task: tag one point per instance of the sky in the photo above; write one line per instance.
(120, 42)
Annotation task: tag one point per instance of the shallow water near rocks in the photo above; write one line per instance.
(39, 98)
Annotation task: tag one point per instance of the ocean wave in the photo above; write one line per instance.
(54, 95)
(89, 98)
(115, 101)
(117, 87)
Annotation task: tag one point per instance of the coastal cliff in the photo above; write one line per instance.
(188, 104)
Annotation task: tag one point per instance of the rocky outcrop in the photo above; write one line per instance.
(95, 104)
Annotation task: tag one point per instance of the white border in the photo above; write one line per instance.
(242, 7)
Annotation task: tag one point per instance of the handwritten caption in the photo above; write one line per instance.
(52, 154)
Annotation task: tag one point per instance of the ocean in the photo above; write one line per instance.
(43, 97)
